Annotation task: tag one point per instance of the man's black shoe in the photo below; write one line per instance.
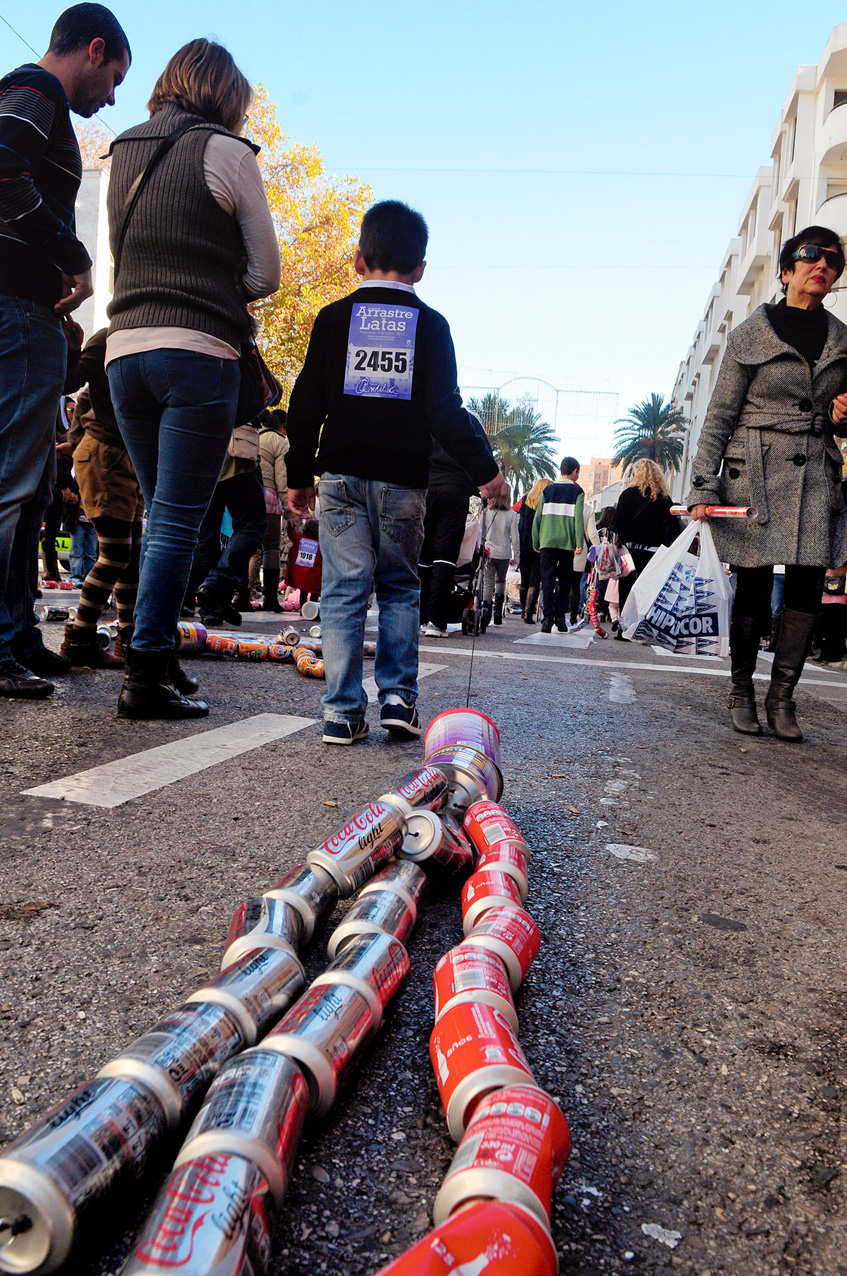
(215, 608)
(20, 684)
(44, 663)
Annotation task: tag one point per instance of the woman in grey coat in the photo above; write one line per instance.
(767, 442)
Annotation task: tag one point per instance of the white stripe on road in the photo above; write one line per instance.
(621, 690)
(131, 777)
(373, 692)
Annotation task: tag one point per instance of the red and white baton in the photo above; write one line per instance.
(718, 511)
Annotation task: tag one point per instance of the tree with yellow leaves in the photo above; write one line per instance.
(317, 219)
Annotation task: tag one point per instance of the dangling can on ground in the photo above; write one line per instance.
(364, 844)
(190, 638)
(374, 965)
(471, 774)
(257, 988)
(474, 1050)
(324, 1033)
(312, 891)
(405, 879)
(491, 1238)
(463, 727)
(68, 1161)
(466, 975)
(514, 1148)
(487, 889)
(512, 935)
(262, 922)
(213, 1216)
(255, 1108)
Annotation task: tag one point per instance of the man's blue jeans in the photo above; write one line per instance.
(175, 410)
(84, 550)
(370, 535)
(33, 357)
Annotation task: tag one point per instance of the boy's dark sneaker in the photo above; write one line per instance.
(20, 684)
(400, 718)
(344, 732)
(216, 608)
(44, 663)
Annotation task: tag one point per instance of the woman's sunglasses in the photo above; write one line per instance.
(813, 252)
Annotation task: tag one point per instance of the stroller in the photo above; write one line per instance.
(476, 615)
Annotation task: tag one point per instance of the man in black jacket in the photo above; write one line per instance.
(379, 382)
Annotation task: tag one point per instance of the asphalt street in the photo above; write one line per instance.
(687, 1009)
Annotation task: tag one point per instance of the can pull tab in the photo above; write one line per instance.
(12, 1227)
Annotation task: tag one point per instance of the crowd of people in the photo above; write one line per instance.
(172, 443)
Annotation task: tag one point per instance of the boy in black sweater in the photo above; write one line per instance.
(379, 381)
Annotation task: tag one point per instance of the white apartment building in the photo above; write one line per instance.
(806, 184)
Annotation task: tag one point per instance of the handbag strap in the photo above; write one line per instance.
(135, 189)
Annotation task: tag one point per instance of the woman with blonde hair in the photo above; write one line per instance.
(530, 564)
(193, 243)
(643, 521)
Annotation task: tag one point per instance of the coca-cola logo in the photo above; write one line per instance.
(172, 1244)
(361, 822)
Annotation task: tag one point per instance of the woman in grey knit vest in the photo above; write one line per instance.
(767, 442)
(197, 245)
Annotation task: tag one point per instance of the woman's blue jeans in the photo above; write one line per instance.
(176, 411)
(371, 535)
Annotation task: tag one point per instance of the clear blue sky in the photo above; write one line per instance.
(531, 138)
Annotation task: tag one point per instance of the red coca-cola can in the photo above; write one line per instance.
(488, 823)
(507, 858)
(257, 988)
(214, 1214)
(474, 1050)
(364, 844)
(423, 790)
(255, 1108)
(492, 1238)
(324, 1033)
(381, 912)
(514, 1148)
(465, 975)
(512, 935)
(262, 922)
(312, 891)
(436, 842)
(487, 889)
(375, 965)
(405, 879)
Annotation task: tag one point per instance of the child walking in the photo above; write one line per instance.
(500, 538)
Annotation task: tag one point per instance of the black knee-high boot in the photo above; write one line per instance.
(744, 650)
(792, 648)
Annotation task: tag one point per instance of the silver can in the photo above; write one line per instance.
(315, 631)
(438, 842)
(71, 1158)
(290, 636)
(364, 844)
(404, 878)
(472, 775)
(213, 1215)
(312, 891)
(104, 638)
(181, 1056)
(51, 614)
(324, 1032)
(310, 610)
(423, 790)
(375, 965)
(255, 1108)
(377, 913)
(263, 922)
(256, 989)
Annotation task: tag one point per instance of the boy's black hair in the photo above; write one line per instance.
(820, 235)
(82, 23)
(393, 237)
(569, 464)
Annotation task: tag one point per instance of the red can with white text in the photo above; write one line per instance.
(312, 891)
(514, 1148)
(487, 889)
(507, 858)
(488, 823)
(353, 854)
(262, 922)
(472, 974)
(492, 1238)
(474, 1050)
(375, 965)
(512, 935)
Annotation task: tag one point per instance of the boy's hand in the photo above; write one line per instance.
(76, 288)
(301, 501)
(839, 408)
(74, 334)
(497, 487)
(578, 549)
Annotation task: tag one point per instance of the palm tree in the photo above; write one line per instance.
(493, 412)
(652, 431)
(524, 447)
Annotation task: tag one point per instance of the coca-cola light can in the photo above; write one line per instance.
(375, 965)
(263, 922)
(256, 989)
(381, 912)
(404, 879)
(437, 843)
(423, 790)
(364, 844)
(311, 890)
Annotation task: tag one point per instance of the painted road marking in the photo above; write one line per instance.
(525, 657)
(579, 641)
(621, 690)
(131, 777)
(423, 672)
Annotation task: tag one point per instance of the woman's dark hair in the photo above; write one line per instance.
(604, 518)
(819, 235)
(82, 23)
(203, 79)
(393, 237)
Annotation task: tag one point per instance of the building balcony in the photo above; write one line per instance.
(753, 267)
(832, 138)
(833, 212)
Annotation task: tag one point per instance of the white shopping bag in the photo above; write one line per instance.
(682, 602)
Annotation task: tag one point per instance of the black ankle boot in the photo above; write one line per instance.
(270, 587)
(795, 642)
(531, 604)
(148, 691)
(523, 602)
(744, 651)
(180, 680)
(498, 610)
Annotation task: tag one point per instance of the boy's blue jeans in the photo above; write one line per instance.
(370, 534)
(84, 550)
(175, 410)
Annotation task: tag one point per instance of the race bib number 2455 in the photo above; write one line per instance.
(381, 351)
